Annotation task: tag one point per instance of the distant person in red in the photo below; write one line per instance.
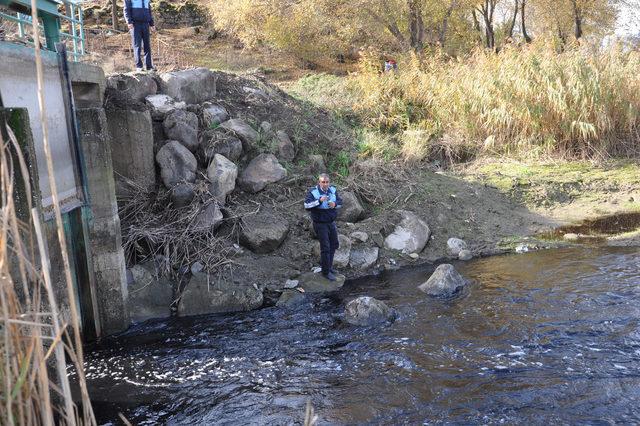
(137, 13)
(390, 65)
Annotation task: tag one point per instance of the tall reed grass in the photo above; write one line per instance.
(34, 341)
(524, 101)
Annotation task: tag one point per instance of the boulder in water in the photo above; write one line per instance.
(150, 296)
(445, 281)
(316, 283)
(206, 295)
(366, 311)
(290, 299)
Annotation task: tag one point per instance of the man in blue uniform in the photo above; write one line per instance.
(323, 202)
(137, 13)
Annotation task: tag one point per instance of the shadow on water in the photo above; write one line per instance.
(550, 336)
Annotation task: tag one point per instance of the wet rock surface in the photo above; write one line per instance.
(445, 281)
(367, 311)
(206, 295)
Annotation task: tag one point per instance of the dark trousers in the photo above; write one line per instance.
(139, 39)
(328, 235)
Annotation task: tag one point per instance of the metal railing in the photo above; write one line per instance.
(73, 17)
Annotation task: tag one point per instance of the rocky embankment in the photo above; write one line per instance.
(229, 160)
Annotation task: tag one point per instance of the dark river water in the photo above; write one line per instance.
(544, 337)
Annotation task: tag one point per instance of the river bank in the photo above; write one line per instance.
(214, 170)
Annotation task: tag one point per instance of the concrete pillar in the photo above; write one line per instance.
(132, 145)
(105, 238)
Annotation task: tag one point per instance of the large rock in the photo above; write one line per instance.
(367, 311)
(182, 126)
(351, 210)
(455, 246)
(223, 144)
(261, 171)
(161, 105)
(290, 299)
(206, 295)
(286, 150)
(316, 283)
(243, 130)
(193, 86)
(341, 257)
(363, 257)
(263, 233)
(222, 174)
(177, 164)
(445, 281)
(209, 218)
(182, 194)
(150, 296)
(213, 115)
(134, 86)
(132, 145)
(410, 236)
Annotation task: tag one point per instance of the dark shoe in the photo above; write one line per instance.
(333, 271)
(330, 276)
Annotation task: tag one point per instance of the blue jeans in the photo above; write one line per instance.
(139, 39)
(328, 235)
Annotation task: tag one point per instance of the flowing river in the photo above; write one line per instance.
(542, 337)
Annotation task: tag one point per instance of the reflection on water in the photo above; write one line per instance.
(540, 337)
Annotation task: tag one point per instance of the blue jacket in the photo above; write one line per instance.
(320, 211)
(138, 12)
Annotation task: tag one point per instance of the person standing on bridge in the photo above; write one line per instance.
(323, 202)
(137, 13)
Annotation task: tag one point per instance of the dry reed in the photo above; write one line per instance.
(527, 101)
(35, 388)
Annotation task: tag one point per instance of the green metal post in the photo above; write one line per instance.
(51, 26)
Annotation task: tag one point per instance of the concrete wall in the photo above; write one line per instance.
(132, 140)
(104, 226)
(92, 229)
(18, 86)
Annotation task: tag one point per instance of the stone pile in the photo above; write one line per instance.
(172, 130)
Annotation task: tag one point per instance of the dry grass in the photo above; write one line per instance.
(170, 236)
(524, 101)
(34, 339)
